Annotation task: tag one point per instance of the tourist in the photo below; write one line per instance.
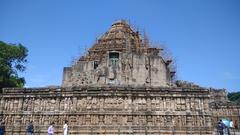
(65, 128)
(236, 125)
(51, 129)
(30, 128)
(2, 128)
(220, 127)
(231, 125)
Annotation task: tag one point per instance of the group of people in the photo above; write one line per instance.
(224, 129)
(221, 127)
(51, 128)
(30, 128)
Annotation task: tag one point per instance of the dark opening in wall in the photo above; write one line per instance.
(113, 59)
(95, 64)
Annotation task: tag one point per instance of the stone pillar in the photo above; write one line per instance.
(149, 120)
(74, 106)
(208, 121)
(189, 123)
(187, 104)
(101, 119)
(148, 104)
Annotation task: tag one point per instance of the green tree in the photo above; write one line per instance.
(12, 60)
(234, 96)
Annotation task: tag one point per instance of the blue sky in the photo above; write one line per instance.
(203, 35)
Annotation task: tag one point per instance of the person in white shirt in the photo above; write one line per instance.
(231, 126)
(65, 128)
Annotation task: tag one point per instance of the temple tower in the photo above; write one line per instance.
(120, 57)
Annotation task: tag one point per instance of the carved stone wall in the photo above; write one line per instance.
(218, 95)
(225, 109)
(132, 69)
(108, 110)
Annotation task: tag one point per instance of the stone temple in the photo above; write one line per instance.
(121, 86)
(120, 57)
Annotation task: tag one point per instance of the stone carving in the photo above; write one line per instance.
(181, 83)
(132, 63)
(98, 107)
(121, 86)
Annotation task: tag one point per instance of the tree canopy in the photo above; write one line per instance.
(12, 60)
(234, 96)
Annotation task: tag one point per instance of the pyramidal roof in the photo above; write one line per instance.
(119, 30)
(120, 37)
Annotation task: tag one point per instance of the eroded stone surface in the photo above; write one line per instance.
(122, 86)
(114, 110)
(120, 57)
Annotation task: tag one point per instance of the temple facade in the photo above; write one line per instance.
(120, 57)
(121, 86)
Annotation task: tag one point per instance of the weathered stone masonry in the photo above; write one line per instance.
(121, 86)
(109, 110)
